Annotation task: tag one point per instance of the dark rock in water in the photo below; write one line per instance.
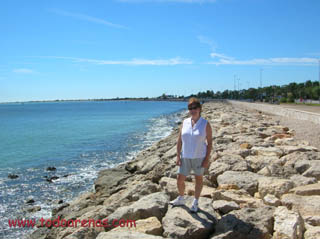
(50, 180)
(51, 168)
(13, 176)
(59, 201)
(30, 200)
(66, 175)
(33, 209)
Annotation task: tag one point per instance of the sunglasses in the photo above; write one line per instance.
(192, 107)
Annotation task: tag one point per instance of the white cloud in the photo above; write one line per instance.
(23, 71)
(85, 18)
(207, 41)
(226, 60)
(133, 62)
(218, 55)
(164, 1)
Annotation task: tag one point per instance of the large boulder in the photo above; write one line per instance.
(312, 233)
(307, 190)
(179, 222)
(300, 180)
(274, 186)
(287, 224)
(307, 206)
(267, 151)
(224, 206)
(246, 223)
(245, 180)
(313, 171)
(109, 179)
(258, 162)
(132, 192)
(288, 149)
(150, 226)
(155, 204)
(241, 197)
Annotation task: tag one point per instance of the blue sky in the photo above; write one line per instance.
(143, 48)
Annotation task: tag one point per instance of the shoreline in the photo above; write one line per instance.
(254, 182)
(167, 121)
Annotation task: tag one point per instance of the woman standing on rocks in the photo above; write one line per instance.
(193, 151)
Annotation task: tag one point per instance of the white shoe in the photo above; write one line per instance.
(178, 201)
(194, 207)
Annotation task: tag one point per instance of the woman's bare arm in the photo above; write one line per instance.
(179, 146)
(205, 162)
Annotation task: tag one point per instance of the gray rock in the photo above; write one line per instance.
(300, 180)
(259, 162)
(125, 235)
(274, 186)
(245, 180)
(224, 206)
(267, 151)
(312, 233)
(313, 171)
(271, 200)
(109, 179)
(307, 206)
(179, 222)
(155, 204)
(307, 190)
(287, 224)
(246, 223)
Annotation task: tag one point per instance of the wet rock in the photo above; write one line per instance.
(51, 179)
(51, 168)
(12, 176)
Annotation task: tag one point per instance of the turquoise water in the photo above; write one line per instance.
(79, 139)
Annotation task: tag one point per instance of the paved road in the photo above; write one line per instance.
(308, 108)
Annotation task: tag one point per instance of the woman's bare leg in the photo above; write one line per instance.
(180, 183)
(198, 186)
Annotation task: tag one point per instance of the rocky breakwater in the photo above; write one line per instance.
(261, 183)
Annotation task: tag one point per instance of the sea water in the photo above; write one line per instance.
(79, 139)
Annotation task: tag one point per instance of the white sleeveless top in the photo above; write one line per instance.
(194, 138)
